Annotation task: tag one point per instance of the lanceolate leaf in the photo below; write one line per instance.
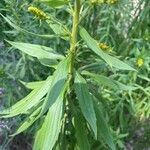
(103, 80)
(103, 130)
(49, 132)
(37, 51)
(23, 30)
(112, 61)
(28, 102)
(85, 101)
(58, 84)
(81, 133)
(33, 85)
(28, 122)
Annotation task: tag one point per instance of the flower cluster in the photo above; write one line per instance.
(140, 62)
(37, 12)
(104, 47)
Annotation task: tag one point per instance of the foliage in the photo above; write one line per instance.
(85, 95)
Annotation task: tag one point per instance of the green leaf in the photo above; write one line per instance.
(58, 28)
(48, 62)
(81, 133)
(85, 101)
(28, 102)
(107, 81)
(93, 45)
(28, 122)
(57, 86)
(23, 30)
(54, 3)
(103, 128)
(33, 85)
(49, 132)
(37, 51)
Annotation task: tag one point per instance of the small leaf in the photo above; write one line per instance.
(49, 132)
(81, 134)
(37, 51)
(112, 61)
(85, 101)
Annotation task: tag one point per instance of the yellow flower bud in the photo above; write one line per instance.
(37, 12)
(140, 62)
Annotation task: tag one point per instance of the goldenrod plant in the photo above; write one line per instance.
(69, 107)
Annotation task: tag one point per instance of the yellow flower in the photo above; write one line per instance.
(103, 46)
(37, 12)
(140, 62)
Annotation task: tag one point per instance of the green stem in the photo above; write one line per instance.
(73, 41)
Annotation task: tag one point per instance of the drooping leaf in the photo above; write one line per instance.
(103, 130)
(85, 101)
(81, 133)
(48, 134)
(28, 102)
(106, 81)
(37, 51)
(58, 84)
(112, 61)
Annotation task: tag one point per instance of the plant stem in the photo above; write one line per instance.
(73, 41)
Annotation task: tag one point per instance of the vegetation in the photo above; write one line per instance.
(82, 74)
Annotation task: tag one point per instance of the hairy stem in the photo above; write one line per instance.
(73, 41)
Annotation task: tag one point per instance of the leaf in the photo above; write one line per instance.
(23, 30)
(58, 28)
(81, 134)
(28, 122)
(106, 81)
(27, 102)
(48, 62)
(112, 61)
(48, 134)
(102, 127)
(37, 51)
(54, 3)
(85, 101)
(57, 86)
(32, 85)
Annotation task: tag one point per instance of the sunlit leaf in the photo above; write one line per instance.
(28, 102)
(49, 132)
(37, 51)
(57, 86)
